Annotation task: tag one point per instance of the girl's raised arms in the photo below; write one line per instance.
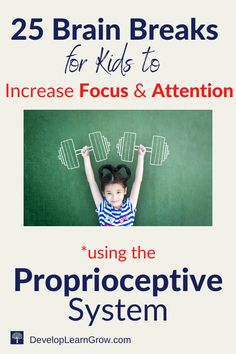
(138, 176)
(97, 197)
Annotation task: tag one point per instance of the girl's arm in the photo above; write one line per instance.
(90, 177)
(138, 176)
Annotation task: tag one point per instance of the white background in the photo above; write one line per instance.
(197, 322)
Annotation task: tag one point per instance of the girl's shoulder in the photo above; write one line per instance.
(127, 204)
(102, 205)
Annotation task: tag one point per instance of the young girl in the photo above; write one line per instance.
(113, 207)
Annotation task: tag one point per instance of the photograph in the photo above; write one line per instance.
(117, 168)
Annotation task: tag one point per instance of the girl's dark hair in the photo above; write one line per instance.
(109, 174)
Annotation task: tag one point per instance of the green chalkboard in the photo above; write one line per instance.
(179, 192)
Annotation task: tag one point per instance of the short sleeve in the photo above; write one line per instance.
(130, 205)
(101, 206)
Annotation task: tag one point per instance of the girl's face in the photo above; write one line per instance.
(114, 194)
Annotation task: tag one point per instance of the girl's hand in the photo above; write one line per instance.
(85, 151)
(141, 150)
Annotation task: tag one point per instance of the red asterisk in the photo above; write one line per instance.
(83, 248)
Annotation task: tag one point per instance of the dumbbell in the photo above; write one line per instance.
(159, 150)
(69, 156)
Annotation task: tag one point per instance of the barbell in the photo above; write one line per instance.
(159, 149)
(69, 155)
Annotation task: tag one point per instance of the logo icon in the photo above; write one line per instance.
(17, 337)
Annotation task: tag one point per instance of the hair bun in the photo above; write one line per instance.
(114, 170)
(127, 170)
(104, 167)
